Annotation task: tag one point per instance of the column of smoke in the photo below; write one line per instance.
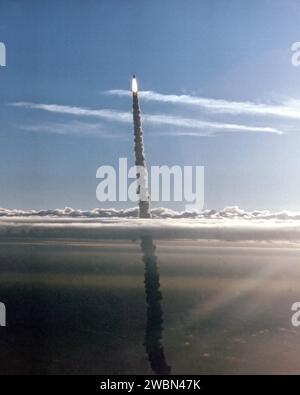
(140, 161)
(154, 328)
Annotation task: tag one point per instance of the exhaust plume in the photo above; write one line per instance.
(140, 161)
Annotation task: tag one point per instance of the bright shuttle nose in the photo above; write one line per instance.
(134, 85)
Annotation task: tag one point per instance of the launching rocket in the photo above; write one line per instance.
(140, 161)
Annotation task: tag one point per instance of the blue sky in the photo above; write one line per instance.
(78, 53)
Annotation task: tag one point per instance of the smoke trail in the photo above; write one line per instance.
(140, 161)
(154, 328)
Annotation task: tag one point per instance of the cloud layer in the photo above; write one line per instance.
(229, 224)
(232, 213)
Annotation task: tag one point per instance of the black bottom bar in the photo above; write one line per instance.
(129, 384)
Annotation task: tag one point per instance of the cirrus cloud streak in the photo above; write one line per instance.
(154, 119)
(288, 109)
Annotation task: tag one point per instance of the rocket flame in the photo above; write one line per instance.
(134, 85)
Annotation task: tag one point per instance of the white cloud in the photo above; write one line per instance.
(231, 213)
(288, 109)
(110, 115)
(229, 224)
(159, 119)
(73, 128)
